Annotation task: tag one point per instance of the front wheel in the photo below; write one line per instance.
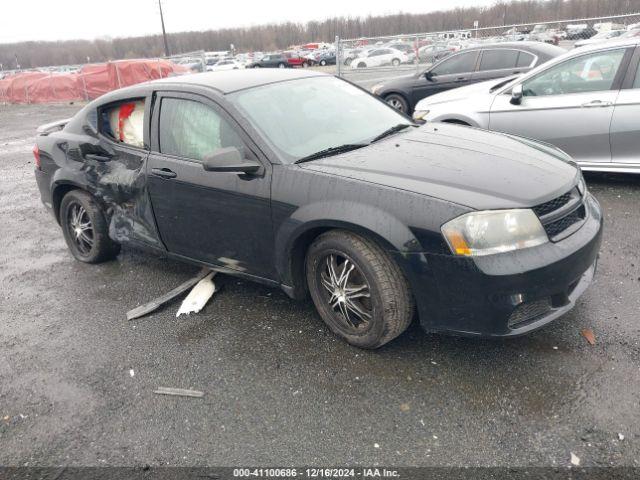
(85, 228)
(395, 62)
(397, 102)
(281, 65)
(323, 63)
(358, 290)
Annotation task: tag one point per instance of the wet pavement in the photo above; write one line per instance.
(280, 389)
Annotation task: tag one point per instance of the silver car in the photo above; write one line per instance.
(585, 102)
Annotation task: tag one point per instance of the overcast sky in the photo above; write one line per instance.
(22, 20)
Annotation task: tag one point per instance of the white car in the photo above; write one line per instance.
(585, 102)
(224, 65)
(378, 57)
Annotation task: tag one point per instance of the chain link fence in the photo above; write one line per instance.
(416, 51)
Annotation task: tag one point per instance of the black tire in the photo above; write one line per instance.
(395, 62)
(257, 66)
(389, 304)
(323, 63)
(85, 228)
(398, 102)
(281, 65)
(305, 65)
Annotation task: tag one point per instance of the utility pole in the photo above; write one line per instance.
(164, 32)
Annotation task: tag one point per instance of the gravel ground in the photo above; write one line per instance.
(77, 379)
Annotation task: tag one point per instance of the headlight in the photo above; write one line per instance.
(420, 114)
(485, 233)
(582, 186)
(376, 88)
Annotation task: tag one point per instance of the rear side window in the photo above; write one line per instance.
(461, 63)
(124, 122)
(636, 84)
(525, 60)
(498, 59)
(193, 130)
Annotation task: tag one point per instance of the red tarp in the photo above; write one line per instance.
(91, 82)
(55, 88)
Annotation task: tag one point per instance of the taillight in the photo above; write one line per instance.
(36, 155)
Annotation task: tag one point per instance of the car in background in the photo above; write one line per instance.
(225, 64)
(379, 57)
(600, 37)
(465, 67)
(341, 198)
(586, 102)
(325, 57)
(350, 55)
(433, 53)
(296, 60)
(580, 32)
(271, 60)
(408, 49)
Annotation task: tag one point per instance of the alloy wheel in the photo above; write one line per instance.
(80, 228)
(346, 291)
(395, 103)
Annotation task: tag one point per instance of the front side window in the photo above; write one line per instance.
(498, 59)
(587, 73)
(193, 130)
(328, 112)
(636, 84)
(461, 63)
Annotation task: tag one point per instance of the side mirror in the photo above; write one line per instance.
(516, 95)
(230, 160)
(430, 75)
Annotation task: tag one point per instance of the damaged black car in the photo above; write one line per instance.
(301, 180)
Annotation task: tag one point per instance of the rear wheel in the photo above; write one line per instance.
(397, 102)
(323, 63)
(85, 228)
(281, 65)
(358, 290)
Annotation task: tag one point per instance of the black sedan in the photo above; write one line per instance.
(465, 67)
(342, 198)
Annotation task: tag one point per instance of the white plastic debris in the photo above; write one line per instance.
(199, 296)
(575, 460)
(620, 437)
(178, 392)
(375, 445)
(131, 372)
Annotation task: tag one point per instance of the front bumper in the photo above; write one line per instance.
(507, 294)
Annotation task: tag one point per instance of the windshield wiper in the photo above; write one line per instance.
(328, 152)
(391, 131)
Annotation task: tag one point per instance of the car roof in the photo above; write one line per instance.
(536, 47)
(614, 42)
(234, 80)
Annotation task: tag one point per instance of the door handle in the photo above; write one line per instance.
(164, 173)
(596, 104)
(461, 79)
(97, 157)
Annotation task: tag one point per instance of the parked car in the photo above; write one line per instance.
(586, 102)
(352, 54)
(435, 52)
(225, 64)
(600, 37)
(379, 57)
(580, 32)
(271, 60)
(326, 57)
(342, 198)
(465, 67)
(295, 60)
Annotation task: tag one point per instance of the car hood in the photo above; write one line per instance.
(462, 93)
(466, 166)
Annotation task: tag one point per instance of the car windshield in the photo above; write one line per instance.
(301, 117)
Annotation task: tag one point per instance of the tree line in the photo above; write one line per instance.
(282, 35)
